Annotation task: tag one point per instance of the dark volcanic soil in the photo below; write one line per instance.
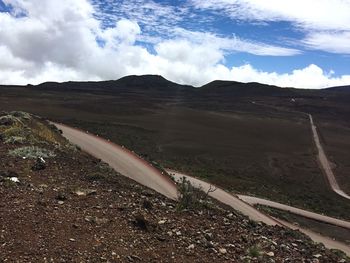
(220, 132)
(73, 208)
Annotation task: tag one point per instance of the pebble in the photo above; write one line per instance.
(191, 246)
(222, 250)
(208, 236)
(270, 254)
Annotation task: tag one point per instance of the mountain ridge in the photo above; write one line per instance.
(151, 81)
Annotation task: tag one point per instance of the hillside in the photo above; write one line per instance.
(59, 204)
(252, 141)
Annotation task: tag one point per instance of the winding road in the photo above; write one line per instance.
(129, 164)
(231, 200)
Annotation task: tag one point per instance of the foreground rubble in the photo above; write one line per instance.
(65, 206)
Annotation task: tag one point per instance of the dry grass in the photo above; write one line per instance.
(32, 152)
(23, 128)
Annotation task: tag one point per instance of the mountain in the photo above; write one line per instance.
(145, 83)
(159, 86)
(339, 89)
(234, 88)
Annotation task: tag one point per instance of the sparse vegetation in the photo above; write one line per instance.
(214, 132)
(189, 196)
(32, 152)
(22, 128)
(14, 140)
(21, 115)
(255, 251)
(62, 197)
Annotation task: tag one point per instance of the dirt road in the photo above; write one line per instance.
(325, 165)
(227, 198)
(297, 211)
(122, 160)
(130, 165)
(322, 157)
(254, 214)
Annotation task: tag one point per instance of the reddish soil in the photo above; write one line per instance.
(44, 219)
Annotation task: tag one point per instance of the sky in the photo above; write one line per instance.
(288, 43)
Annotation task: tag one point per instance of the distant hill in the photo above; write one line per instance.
(245, 89)
(128, 83)
(339, 89)
(155, 85)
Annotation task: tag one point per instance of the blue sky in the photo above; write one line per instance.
(296, 43)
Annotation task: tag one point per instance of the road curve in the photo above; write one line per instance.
(122, 160)
(130, 165)
(325, 165)
(234, 202)
(297, 211)
(227, 198)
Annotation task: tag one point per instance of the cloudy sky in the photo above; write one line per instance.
(299, 43)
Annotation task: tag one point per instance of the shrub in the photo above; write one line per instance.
(7, 120)
(255, 251)
(189, 196)
(32, 152)
(15, 131)
(15, 140)
(21, 114)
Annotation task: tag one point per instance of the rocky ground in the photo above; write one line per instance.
(57, 204)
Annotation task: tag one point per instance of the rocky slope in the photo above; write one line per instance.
(60, 205)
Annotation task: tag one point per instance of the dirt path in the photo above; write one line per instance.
(234, 202)
(325, 165)
(297, 211)
(227, 198)
(322, 157)
(122, 160)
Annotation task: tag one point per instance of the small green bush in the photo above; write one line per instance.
(189, 196)
(32, 152)
(255, 251)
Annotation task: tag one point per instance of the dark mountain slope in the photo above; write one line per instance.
(234, 88)
(144, 84)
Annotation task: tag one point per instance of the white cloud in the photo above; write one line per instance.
(320, 15)
(152, 16)
(61, 40)
(124, 33)
(334, 42)
(321, 20)
(311, 77)
(233, 44)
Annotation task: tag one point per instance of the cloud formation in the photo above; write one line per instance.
(325, 23)
(63, 40)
